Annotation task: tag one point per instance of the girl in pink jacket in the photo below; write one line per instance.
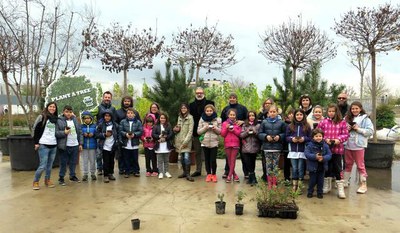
(231, 132)
(148, 144)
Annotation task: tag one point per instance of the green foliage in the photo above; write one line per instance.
(170, 91)
(4, 131)
(99, 95)
(385, 116)
(131, 90)
(117, 92)
(284, 91)
(221, 197)
(18, 120)
(239, 196)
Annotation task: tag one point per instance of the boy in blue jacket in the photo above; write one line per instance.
(318, 154)
(88, 156)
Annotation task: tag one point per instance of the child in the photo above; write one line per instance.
(316, 117)
(108, 136)
(318, 154)
(298, 133)
(130, 130)
(231, 132)
(69, 143)
(361, 128)
(250, 144)
(272, 134)
(88, 155)
(183, 139)
(45, 143)
(287, 164)
(210, 127)
(148, 144)
(335, 134)
(162, 134)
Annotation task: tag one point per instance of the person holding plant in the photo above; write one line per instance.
(183, 139)
(316, 117)
(88, 155)
(361, 128)
(210, 127)
(318, 154)
(298, 135)
(272, 133)
(250, 144)
(230, 131)
(162, 134)
(44, 136)
(148, 145)
(335, 135)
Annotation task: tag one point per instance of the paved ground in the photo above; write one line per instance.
(175, 205)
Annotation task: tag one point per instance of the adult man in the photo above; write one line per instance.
(196, 109)
(126, 102)
(241, 115)
(98, 112)
(342, 103)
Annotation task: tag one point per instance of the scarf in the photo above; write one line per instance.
(208, 118)
(272, 120)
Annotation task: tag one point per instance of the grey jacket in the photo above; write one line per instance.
(62, 137)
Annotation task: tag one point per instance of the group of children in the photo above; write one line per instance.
(316, 143)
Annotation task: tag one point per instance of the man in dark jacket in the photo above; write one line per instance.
(241, 116)
(196, 109)
(342, 104)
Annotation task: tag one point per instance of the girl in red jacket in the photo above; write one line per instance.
(231, 132)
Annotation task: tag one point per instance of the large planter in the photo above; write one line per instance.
(379, 154)
(4, 146)
(23, 156)
(288, 210)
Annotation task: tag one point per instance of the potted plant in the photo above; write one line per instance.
(278, 201)
(239, 205)
(220, 205)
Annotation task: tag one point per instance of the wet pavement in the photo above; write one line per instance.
(176, 205)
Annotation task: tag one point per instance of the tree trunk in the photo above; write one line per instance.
(373, 92)
(294, 87)
(9, 113)
(125, 88)
(197, 75)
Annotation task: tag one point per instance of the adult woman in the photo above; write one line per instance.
(46, 143)
(155, 109)
(305, 103)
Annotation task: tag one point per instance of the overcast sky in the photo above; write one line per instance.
(245, 21)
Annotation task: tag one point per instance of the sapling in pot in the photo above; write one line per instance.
(220, 205)
(239, 205)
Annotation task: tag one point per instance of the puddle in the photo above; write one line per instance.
(385, 179)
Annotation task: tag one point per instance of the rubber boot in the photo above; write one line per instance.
(250, 180)
(188, 177)
(184, 171)
(363, 187)
(253, 179)
(295, 185)
(340, 188)
(346, 179)
(325, 189)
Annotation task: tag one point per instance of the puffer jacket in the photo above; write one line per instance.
(231, 138)
(136, 128)
(102, 129)
(88, 142)
(147, 131)
(297, 147)
(277, 127)
(250, 142)
(60, 133)
(183, 138)
(335, 131)
(210, 139)
(365, 130)
(311, 151)
(156, 133)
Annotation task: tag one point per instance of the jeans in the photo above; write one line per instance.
(46, 158)
(68, 156)
(210, 155)
(316, 178)
(108, 162)
(88, 157)
(131, 160)
(185, 158)
(199, 153)
(298, 169)
(122, 166)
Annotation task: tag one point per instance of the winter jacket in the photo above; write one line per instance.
(297, 147)
(88, 142)
(335, 131)
(120, 114)
(250, 142)
(364, 131)
(147, 131)
(156, 133)
(136, 128)
(241, 112)
(102, 129)
(272, 128)
(99, 111)
(183, 138)
(60, 132)
(231, 138)
(210, 138)
(311, 151)
(196, 108)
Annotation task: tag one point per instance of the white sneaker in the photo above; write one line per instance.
(160, 176)
(168, 175)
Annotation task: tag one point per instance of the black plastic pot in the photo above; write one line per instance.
(23, 156)
(135, 223)
(379, 154)
(239, 209)
(220, 207)
(4, 146)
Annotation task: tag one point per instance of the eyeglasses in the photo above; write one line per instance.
(341, 98)
(267, 103)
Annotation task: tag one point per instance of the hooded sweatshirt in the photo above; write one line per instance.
(88, 142)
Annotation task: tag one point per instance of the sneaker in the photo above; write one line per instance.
(224, 176)
(320, 196)
(111, 177)
(154, 174)
(35, 186)
(99, 172)
(74, 178)
(106, 179)
(168, 175)
(148, 174)
(137, 174)
(214, 178)
(49, 184)
(228, 180)
(246, 177)
(209, 178)
(85, 178)
(93, 177)
(61, 181)
(126, 175)
(160, 176)
(309, 195)
(196, 173)
(236, 178)
(121, 172)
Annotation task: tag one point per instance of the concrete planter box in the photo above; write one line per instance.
(379, 154)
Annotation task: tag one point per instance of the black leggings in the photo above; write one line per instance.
(210, 158)
(250, 161)
(335, 167)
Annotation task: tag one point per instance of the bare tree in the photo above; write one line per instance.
(122, 49)
(204, 47)
(359, 58)
(381, 87)
(237, 83)
(299, 44)
(374, 30)
(350, 91)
